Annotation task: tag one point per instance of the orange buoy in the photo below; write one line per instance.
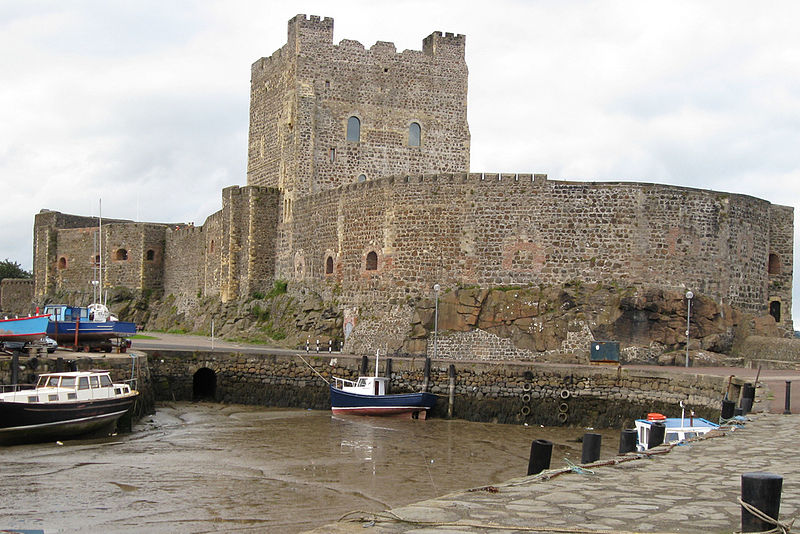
(656, 417)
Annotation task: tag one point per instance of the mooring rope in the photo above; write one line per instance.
(312, 368)
(578, 469)
(780, 527)
(391, 517)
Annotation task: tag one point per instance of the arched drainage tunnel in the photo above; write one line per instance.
(204, 384)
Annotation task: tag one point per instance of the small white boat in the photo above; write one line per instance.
(367, 396)
(676, 429)
(63, 405)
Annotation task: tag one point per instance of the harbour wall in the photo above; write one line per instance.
(515, 393)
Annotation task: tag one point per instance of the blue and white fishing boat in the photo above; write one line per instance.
(367, 396)
(23, 329)
(677, 429)
(87, 328)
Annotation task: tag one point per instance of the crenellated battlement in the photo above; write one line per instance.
(310, 31)
(447, 44)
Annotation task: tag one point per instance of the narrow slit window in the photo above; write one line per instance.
(329, 265)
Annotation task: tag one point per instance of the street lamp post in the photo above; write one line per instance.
(436, 288)
(689, 297)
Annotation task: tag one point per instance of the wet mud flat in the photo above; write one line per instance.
(196, 467)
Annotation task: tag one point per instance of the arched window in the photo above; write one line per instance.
(774, 264)
(121, 254)
(775, 310)
(62, 262)
(362, 177)
(150, 255)
(353, 129)
(414, 134)
(211, 247)
(372, 261)
(329, 265)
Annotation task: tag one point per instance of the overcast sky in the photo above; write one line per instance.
(144, 104)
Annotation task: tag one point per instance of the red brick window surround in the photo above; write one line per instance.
(372, 261)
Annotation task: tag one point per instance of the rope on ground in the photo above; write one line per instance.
(780, 527)
(578, 469)
(737, 421)
(387, 516)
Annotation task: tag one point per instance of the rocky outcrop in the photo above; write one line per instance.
(543, 323)
(540, 319)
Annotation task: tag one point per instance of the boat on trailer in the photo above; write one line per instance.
(87, 328)
(63, 405)
(367, 396)
(676, 429)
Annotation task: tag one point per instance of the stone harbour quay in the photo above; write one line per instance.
(689, 488)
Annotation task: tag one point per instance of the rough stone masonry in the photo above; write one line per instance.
(359, 194)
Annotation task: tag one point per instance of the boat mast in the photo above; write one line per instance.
(377, 357)
(100, 239)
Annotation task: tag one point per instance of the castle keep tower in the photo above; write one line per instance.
(324, 115)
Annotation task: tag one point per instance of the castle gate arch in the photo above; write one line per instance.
(204, 384)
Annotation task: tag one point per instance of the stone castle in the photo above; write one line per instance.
(359, 191)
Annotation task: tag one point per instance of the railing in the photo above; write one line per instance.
(16, 387)
(339, 383)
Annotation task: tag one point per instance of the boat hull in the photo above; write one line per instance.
(64, 331)
(401, 404)
(24, 328)
(35, 422)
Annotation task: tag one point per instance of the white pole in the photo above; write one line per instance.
(377, 357)
(689, 296)
(436, 289)
(100, 247)
(212, 334)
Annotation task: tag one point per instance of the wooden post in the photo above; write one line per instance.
(452, 393)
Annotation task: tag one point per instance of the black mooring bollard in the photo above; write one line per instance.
(364, 364)
(59, 364)
(657, 432)
(763, 491)
(627, 440)
(747, 406)
(787, 408)
(728, 406)
(591, 448)
(541, 451)
(748, 391)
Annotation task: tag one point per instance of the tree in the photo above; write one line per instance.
(12, 269)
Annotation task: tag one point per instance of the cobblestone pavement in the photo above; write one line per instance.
(691, 488)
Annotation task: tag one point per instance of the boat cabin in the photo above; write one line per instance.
(69, 386)
(365, 385)
(62, 313)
